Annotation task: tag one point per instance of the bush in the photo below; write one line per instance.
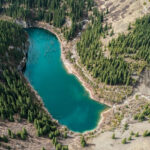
(64, 147)
(58, 146)
(65, 135)
(137, 134)
(146, 133)
(132, 133)
(9, 132)
(51, 135)
(13, 135)
(141, 117)
(4, 139)
(23, 137)
(126, 126)
(124, 141)
(130, 138)
(113, 136)
(83, 142)
(136, 117)
(24, 131)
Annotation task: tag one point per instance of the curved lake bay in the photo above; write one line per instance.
(63, 95)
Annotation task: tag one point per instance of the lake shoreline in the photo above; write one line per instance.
(71, 70)
(21, 68)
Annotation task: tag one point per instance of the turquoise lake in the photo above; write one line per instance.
(63, 95)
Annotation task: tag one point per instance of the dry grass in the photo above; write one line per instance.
(32, 143)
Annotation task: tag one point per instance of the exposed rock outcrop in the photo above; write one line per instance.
(23, 23)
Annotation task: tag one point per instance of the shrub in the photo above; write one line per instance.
(64, 147)
(130, 138)
(132, 133)
(65, 135)
(126, 126)
(113, 136)
(136, 117)
(124, 141)
(146, 133)
(58, 146)
(4, 139)
(137, 134)
(83, 142)
(9, 132)
(141, 117)
(24, 131)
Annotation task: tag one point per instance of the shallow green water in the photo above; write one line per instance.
(63, 95)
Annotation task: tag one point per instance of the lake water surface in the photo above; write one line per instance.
(63, 95)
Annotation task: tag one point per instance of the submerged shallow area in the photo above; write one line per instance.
(63, 95)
